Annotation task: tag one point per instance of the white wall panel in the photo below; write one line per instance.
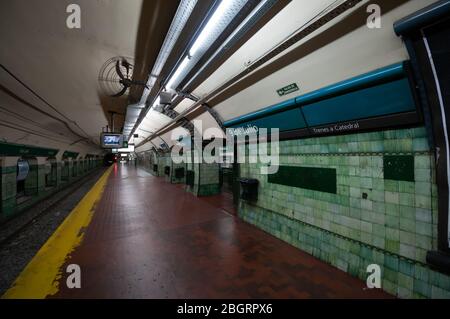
(358, 52)
(294, 15)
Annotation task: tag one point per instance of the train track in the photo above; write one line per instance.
(23, 236)
(13, 227)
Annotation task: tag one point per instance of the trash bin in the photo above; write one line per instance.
(179, 172)
(249, 189)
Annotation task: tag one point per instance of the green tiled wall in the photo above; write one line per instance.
(36, 187)
(206, 179)
(167, 162)
(8, 191)
(59, 173)
(173, 179)
(65, 172)
(161, 165)
(41, 178)
(208, 189)
(396, 218)
(70, 177)
(147, 160)
(31, 182)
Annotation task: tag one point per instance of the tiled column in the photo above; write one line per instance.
(64, 171)
(206, 178)
(58, 173)
(75, 165)
(53, 173)
(161, 164)
(168, 163)
(69, 169)
(31, 182)
(154, 160)
(58, 169)
(80, 167)
(41, 162)
(8, 170)
(191, 173)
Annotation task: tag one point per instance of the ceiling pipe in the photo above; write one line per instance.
(179, 21)
(151, 103)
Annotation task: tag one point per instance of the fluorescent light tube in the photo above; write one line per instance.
(177, 73)
(209, 28)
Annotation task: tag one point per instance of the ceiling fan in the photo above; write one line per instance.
(115, 77)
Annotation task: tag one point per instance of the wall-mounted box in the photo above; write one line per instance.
(179, 172)
(249, 189)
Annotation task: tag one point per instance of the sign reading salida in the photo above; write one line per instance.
(288, 89)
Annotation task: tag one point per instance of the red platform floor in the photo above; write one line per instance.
(151, 239)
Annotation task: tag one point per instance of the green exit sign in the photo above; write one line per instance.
(288, 89)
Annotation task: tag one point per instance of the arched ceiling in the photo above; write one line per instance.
(279, 22)
(62, 65)
(323, 57)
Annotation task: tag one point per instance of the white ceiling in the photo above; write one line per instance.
(358, 52)
(62, 64)
(284, 24)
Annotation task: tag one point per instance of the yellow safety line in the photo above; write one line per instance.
(40, 277)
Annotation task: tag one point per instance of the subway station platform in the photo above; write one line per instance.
(171, 244)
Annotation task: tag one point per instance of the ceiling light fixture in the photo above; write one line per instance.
(182, 15)
(210, 27)
(219, 20)
(177, 73)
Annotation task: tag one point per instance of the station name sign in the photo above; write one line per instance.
(336, 128)
(246, 130)
(331, 129)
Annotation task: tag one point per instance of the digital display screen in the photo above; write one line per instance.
(110, 140)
